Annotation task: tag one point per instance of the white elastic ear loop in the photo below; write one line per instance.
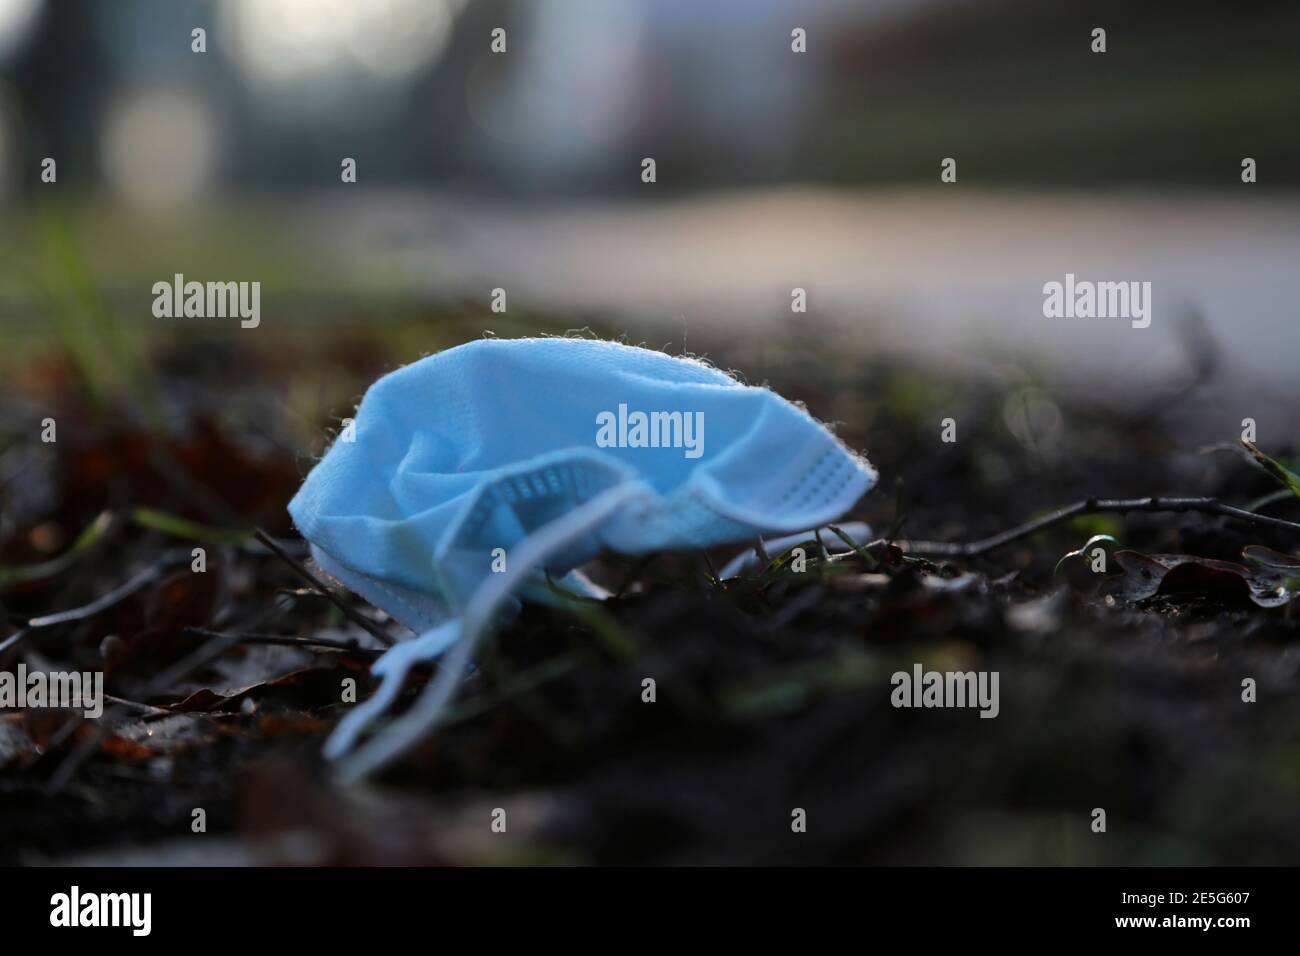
(393, 668)
(529, 555)
(398, 660)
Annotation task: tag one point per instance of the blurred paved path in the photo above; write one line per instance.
(946, 271)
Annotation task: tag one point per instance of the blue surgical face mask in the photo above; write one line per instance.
(469, 476)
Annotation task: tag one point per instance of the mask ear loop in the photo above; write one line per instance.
(466, 632)
(398, 661)
(393, 668)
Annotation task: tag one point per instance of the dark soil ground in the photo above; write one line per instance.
(773, 688)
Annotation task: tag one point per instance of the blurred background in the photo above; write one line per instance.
(774, 170)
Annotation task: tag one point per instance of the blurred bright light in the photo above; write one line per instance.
(570, 110)
(291, 42)
(159, 148)
(17, 17)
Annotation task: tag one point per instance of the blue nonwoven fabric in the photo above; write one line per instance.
(470, 475)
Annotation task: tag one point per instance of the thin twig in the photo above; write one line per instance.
(160, 682)
(102, 727)
(13, 639)
(708, 563)
(119, 593)
(861, 551)
(1212, 506)
(137, 706)
(352, 613)
(286, 640)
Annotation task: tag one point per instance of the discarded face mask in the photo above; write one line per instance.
(468, 477)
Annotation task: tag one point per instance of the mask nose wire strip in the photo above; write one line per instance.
(529, 555)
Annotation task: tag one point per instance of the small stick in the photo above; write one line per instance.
(121, 592)
(1212, 506)
(139, 707)
(13, 639)
(82, 751)
(288, 641)
(352, 614)
(64, 772)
